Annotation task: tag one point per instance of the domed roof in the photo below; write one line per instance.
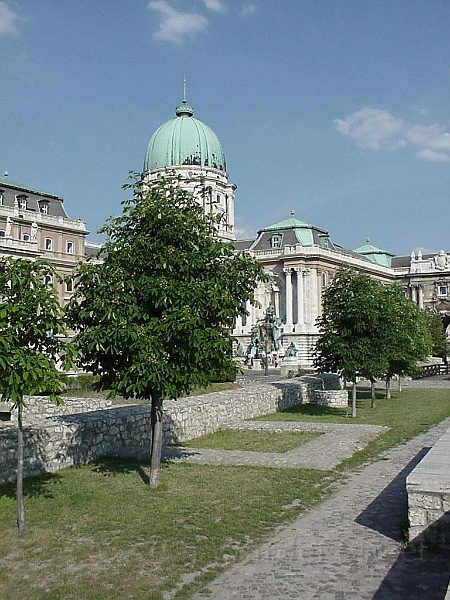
(184, 140)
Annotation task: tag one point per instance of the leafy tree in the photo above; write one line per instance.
(31, 330)
(155, 318)
(350, 342)
(440, 344)
(407, 339)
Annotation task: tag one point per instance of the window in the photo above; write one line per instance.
(26, 237)
(69, 247)
(442, 290)
(2, 233)
(275, 241)
(69, 285)
(324, 279)
(22, 202)
(48, 244)
(48, 280)
(43, 207)
(1, 197)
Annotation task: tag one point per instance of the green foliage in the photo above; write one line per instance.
(155, 318)
(369, 329)
(31, 331)
(440, 343)
(350, 343)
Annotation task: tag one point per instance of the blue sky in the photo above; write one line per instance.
(336, 109)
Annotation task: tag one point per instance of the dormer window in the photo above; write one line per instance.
(275, 240)
(22, 202)
(43, 207)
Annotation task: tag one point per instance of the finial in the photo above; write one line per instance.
(184, 110)
(292, 212)
(6, 172)
(368, 240)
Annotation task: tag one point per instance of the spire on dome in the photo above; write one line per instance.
(184, 110)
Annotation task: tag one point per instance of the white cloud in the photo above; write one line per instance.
(215, 6)
(375, 128)
(248, 9)
(370, 127)
(8, 19)
(433, 156)
(175, 25)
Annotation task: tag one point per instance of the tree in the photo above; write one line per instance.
(440, 344)
(350, 342)
(31, 329)
(407, 339)
(155, 317)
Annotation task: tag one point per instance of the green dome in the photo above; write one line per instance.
(184, 141)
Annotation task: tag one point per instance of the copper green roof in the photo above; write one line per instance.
(374, 254)
(184, 140)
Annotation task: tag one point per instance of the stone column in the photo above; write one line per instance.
(420, 295)
(414, 294)
(288, 274)
(300, 300)
(314, 311)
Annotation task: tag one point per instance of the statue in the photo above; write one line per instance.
(240, 351)
(8, 229)
(34, 230)
(291, 351)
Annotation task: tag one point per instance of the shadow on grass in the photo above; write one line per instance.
(33, 487)
(111, 466)
(316, 411)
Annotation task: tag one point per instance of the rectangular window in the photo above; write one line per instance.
(442, 290)
(22, 202)
(48, 244)
(69, 247)
(43, 207)
(69, 285)
(26, 237)
(275, 241)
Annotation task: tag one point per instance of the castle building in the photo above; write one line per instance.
(34, 224)
(300, 259)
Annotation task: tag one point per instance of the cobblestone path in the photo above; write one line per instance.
(348, 547)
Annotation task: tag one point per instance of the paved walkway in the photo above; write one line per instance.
(325, 452)
(348, 547)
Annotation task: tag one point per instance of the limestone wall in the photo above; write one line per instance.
(428, 487)
(85, 430)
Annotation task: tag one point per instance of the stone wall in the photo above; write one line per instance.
(428, 487)
(84, 430)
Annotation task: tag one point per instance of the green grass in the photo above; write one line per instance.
(255, 441)
(407, 414)
(98, 532)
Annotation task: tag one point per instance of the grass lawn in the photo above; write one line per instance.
(98, 532)
(255, 441)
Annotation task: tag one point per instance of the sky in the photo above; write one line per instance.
(337, 110)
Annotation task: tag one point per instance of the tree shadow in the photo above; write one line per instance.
(113, 465)
(33, 487)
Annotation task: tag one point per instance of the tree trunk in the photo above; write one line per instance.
(156, 441)
(399, 383)
(19, 490)
(373, 400)
(354, 399)
(388, 386)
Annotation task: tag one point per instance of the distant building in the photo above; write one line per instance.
(35, 224)
(300, 259)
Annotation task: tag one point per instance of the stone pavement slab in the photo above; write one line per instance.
(349, 546)
(337, 443)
